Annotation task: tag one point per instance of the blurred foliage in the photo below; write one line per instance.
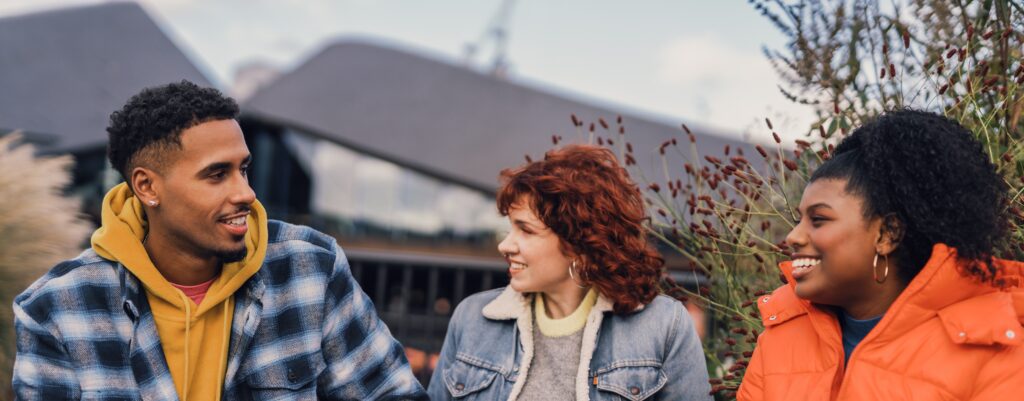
(39, 227)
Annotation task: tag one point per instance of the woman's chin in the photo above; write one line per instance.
(806, 291)
(815, 295)
(519, 286)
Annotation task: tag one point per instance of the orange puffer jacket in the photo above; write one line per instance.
(946, 337)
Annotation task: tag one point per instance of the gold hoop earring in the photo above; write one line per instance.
(572, 276)
(874, 269)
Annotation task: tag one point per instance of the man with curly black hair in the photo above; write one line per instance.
(894, 291)
(190, 292)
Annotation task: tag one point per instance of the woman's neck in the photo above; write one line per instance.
(563, 302)
(877, 300)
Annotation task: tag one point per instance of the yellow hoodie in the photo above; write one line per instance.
(195, 338)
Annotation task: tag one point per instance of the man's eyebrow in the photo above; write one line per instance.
(221, 166)
(214, 167)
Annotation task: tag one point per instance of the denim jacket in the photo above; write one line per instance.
(652, 353)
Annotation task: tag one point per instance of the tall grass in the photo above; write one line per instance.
(39, 227)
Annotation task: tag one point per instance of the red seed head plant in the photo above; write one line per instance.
(849, 61)
(722, 216)
(726, 216)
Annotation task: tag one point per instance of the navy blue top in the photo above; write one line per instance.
(854, 331)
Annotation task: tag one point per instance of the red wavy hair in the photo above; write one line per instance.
(586, 198)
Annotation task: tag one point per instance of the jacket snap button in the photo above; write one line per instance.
(1010, 334)
(765, 299)
(962, 334)
(772, 317)
(460, 386)
(634, 390)
(292, 377)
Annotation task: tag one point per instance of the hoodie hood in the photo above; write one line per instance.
(124, 226)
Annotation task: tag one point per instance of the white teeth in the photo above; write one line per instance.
(517, 266)
(237, 221)
(805, 262)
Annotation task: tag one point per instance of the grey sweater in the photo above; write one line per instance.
(553, 370)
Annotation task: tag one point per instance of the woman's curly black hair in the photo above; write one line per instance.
(934, 178)
(153, 120)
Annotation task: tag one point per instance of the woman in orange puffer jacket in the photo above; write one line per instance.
(893, 292)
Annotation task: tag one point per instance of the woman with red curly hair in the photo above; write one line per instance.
(581, 318)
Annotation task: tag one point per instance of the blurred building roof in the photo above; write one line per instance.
(446, 120)
(63, 72)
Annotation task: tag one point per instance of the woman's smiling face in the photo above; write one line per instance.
(534, 253)
(833, 245)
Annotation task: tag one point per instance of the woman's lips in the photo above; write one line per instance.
(515, 267)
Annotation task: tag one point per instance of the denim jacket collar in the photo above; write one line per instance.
(512, 304)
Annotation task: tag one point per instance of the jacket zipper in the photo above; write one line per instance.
(843, 367)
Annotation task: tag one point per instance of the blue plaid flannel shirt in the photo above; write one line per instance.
(302, 330)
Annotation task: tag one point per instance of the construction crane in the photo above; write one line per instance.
(496, 35)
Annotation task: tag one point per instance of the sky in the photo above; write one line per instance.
(693, 61)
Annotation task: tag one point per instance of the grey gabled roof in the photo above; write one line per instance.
(446, 120)
(63, 72)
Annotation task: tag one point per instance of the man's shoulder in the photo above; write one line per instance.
(295, 252)
(85, 277)
(285, 237)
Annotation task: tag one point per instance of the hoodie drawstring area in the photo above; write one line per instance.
(188, 324)
(224, 339)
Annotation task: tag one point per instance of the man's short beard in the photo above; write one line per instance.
(233, 256)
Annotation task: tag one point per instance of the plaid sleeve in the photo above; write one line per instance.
(42, 369)
(364, 362)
